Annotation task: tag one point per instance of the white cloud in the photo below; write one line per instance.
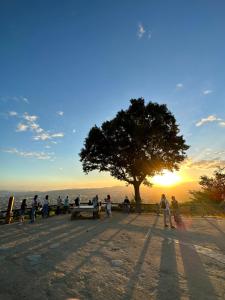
(14, 98)
(32, 125)
(47, 136)
(35, 127)
(30, 118)
(29, 154)
(179, 85)
(47, 147)
(222, 124)
(74, 131)
(60, 113)
(43, 137)
(210, 118)
(57, 135)
(207, 92)
(141, 31)
(25, 100)
(21, 127)
(13, 113)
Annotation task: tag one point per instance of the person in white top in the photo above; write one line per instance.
(165, 206)
(108, 206)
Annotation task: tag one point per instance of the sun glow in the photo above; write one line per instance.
(166, 179)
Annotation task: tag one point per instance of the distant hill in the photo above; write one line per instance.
(149, 195)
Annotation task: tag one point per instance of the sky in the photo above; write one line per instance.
(68, 65)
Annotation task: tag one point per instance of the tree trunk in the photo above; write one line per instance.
(137, 197)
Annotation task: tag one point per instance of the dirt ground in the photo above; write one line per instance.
(122, 257)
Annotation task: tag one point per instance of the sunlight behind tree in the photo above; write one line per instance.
(167, 178)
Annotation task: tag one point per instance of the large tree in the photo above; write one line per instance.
(138, 143)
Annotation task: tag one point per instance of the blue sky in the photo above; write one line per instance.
(67, 65)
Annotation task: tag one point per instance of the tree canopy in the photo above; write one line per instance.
(139, 142)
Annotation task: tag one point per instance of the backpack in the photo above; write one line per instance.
(163, 205)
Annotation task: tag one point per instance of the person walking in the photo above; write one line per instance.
(34, 207)
(165, 206)
(23, 210)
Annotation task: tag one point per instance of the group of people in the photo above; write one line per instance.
(63, 206)
(165, 206)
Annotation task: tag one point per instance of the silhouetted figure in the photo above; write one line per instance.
(34, 207)
(95, 201)
(175, 208)
(66, 205)
(59, 206)
(23, 210)
(77, 201)
(45, 208)
(126, 204)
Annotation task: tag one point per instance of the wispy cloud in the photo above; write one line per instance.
(48, 136)
(13, 113)
(30, 154)
(141, 31)
(74, 131)
(22, 127)
(210, 118)
(25, 100)
(222, 123)
(179, 86)
(15, 98)
(60, 113)
(207, 92)
(30, 123)
(205, 163)
(30, 118)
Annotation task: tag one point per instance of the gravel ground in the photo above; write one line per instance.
(122, 257)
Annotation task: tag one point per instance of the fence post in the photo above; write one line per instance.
(9, 210)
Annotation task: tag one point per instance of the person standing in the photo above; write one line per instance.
(175, 208)
(23, 210)
(165, 206)
(59, 206)
(45, 208)
(34, 207)
(126, 204)
(108, 206)
(66, 204)
(77, 201)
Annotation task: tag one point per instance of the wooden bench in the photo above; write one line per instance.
(76, 211)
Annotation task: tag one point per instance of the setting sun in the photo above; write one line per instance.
(166, 179)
